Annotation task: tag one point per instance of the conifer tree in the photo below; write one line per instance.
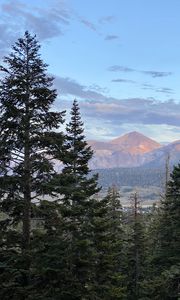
(76, 184)
(163, 269)
(170, 221)
(26, 135)
(109, 281)
(167, 252)
(77, 187)
(135, 250)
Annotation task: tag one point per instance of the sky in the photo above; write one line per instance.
(119, 58)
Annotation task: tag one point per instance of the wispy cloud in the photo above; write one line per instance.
(67, 86)
(154, 74)
(96, 104)
(120, 80)
(165, 90)
(151, 87)
(111, 37)
(89, 24)
(18, 16)
(117, 68)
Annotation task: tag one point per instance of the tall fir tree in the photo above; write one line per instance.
(26, 143)
(109, 282)
(168, 232)
(75, 182)
(135, 250)
(77, 187)
(163, 269)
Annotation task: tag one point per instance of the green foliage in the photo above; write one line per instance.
(108, 239)
(75, 183)
(135, 247)
(26, 172)
(74, 247)
(163, 262)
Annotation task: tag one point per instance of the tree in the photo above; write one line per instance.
(109, 282)
(135, 250)
(167, 254)
(26, 135)
(76, 187)
(163, 268)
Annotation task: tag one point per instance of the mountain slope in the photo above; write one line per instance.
(124, 151)
(135, 143)
(158, 157)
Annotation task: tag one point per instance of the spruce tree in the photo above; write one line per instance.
(163, 269)
(77, 186)
(109, 282)
(170, 222)
(167, 253)
(135, 250)
(26, 144)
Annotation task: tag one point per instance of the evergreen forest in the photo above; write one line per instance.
(57, 239)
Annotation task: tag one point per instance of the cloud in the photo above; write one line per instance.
(165, 90)
(111, 37)
(107, 117)
(67, 86)
(147, 86)
(154, 74)
(117, 68)
(18, 16)
(151, 87)
(134, 110)
(97, 105)
(120, 80)
(89, 24)
(99, 89)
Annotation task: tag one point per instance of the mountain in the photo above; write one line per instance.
(124, 151)
(132, 150)
(135, 143)
(158, 157)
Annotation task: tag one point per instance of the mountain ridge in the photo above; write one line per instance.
(132, 149)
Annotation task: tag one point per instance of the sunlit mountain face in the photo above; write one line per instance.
(132, 150)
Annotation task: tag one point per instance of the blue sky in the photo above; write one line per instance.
(119, 58)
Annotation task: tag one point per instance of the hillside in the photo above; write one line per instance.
(132, 150)
(138, 176)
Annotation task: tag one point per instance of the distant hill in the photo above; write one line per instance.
(132, 150)
(133, 177)
(158, 157)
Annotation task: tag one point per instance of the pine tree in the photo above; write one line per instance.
(26, 136)
(167, 253)
(170, 221)
(51, 250)
(76, 184)
(108, 234)
(135, 250)
(163, 269)
(77, 187)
